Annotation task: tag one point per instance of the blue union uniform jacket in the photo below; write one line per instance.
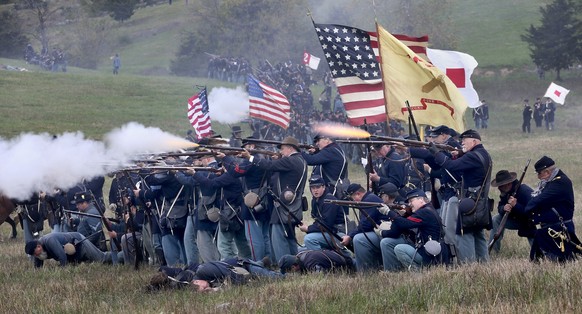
(558, 193)
(425, 220)
(330, 163)
(288, 173)
(365, 225)
(330, 214)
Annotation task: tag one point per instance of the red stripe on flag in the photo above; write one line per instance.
(365, 104)
(199, 120)
(369, 119)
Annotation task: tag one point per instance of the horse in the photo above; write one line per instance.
(6, 208)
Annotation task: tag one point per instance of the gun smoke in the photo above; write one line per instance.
(228, 105)
(41, 162)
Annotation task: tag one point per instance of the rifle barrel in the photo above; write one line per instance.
(192, 154)
(105, 221)
(173, 168)
(236, 150)
(415, 143)
(252, 140)
(353, 203)
(214, 147)
(88, 215)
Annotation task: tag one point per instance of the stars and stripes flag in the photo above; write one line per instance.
(198, 114)
(352, 55)
(267, 103)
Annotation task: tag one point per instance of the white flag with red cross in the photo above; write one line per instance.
(557, 93)
(459, 67)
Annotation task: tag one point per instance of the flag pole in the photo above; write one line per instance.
(382, 71)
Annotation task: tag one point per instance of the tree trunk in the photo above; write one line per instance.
(558, 78)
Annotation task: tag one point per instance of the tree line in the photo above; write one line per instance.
(280, 30)
(556, 44)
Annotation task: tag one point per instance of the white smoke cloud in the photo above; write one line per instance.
(227, 105)
(38, 162)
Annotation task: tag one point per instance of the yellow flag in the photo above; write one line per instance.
(433, 97)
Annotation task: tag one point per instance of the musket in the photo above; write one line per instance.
(178, 168)
(360, 206)
(353, 203)
(385, 140)
(253, 140)
(369, 162)
(501, 227)
(367, 204)
(106, 221)
(417, 143)
(187, 154)
(146, 161)
(369, 168)
(323, 225)
(131, 221)
(365, 142)
(236, 150)
(88, 215)
(412, 121)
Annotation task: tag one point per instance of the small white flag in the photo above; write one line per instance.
(310, 60)
(458, 66)
(557, 93)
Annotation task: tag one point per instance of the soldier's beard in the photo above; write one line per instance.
(42, 256)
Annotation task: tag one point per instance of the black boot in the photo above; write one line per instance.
(160, 256)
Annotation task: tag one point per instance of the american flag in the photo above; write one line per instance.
(352, 55)
(266, 103)
(198, 114)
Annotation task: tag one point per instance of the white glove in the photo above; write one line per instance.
(384, 209)
(378, 232)
(385, 225)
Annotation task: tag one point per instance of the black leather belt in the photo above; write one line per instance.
(551, 224)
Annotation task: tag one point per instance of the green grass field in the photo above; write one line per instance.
(95, 102)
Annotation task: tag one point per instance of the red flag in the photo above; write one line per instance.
(267, 103)
(198, 114)
(352, 56)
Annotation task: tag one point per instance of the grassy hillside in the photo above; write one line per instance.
(93, 102)
(149, 40)
(488, 30)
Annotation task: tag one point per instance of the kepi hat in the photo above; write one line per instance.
(415, 193)
(544, 163)
(470, 134)
(83, 197)
(316, 180)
